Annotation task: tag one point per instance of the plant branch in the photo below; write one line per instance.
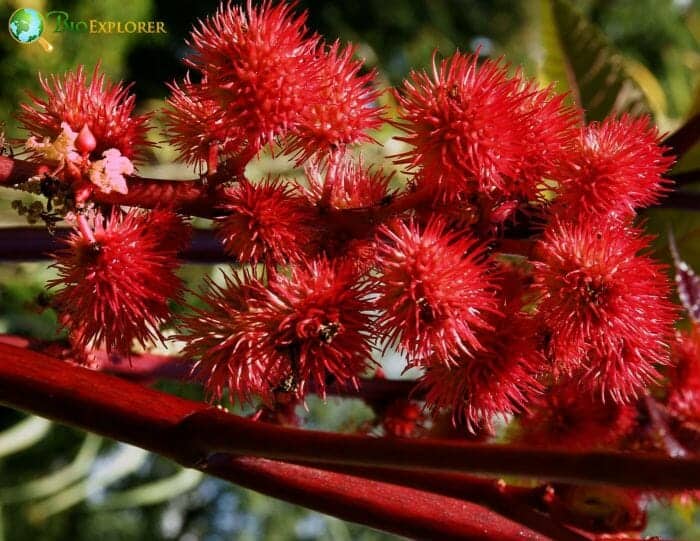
(516, 502)
(384, 506)
(154, 421)
(25, 243)
(188, 196)
(680, 200)
(97, 402)
(686, 177)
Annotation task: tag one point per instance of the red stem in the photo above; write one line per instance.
(213, 160)
(399, 510)
(96, 401)
(512, 501)
(154, 421)
(189, 196)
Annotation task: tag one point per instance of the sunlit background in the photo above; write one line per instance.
(60, 484)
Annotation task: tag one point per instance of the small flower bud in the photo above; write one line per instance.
(85, 142)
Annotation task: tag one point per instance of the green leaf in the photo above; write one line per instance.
(579, 59)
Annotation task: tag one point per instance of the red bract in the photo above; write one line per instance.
(258, 63)
(220, 337)
(195, 124)
(105, 107)
(266, 222)
(434, 291)
(343, 108)
(116, 290)
(570, 416)
(605, 304)
(612, 168)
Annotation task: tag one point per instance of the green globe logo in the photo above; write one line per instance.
(26, 26)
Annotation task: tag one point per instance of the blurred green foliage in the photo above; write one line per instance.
(61, 491)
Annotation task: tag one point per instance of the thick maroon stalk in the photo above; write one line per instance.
(36, 244)
(400, 510)
(519, 503)
(153, 420)
(122, 410)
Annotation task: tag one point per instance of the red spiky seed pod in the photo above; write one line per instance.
(500, 379)
(569, 416)
(352, 184)
(466, 123)
(268, 222)
(316, 322)
(306, 328)
(434, 290)
(606, 305)
(258, 61)
(174, 232)
(106, 109)
(195, 123)
(343, 108)
(611, 169)
(549, 127)
(684, 378)
(220, 338)
(115, 290)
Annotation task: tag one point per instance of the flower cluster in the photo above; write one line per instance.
(88, 129)
(508, 270)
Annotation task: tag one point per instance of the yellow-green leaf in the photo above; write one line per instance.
(578, 58)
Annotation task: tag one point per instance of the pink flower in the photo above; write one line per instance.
(105, 108)
(116, 290)
(434, 291)
(108, 173)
